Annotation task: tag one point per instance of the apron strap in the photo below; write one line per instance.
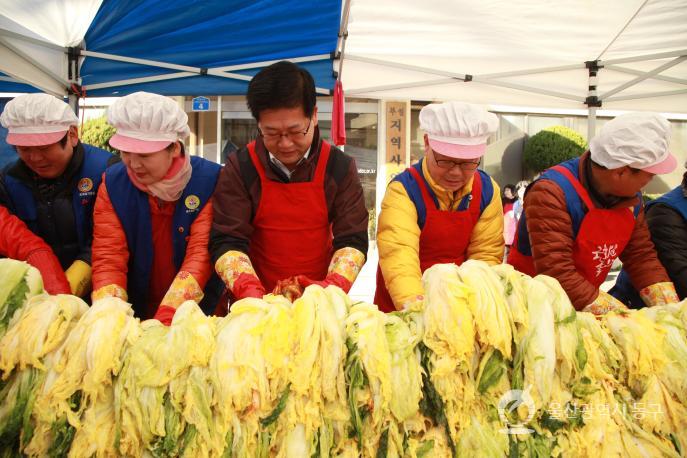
(584, 195)
(423, 187)
(256, 162)
(475, 197)
(322, 163)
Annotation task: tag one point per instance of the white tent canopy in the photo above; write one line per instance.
(114, 47)
(523, 52)
(35, 35)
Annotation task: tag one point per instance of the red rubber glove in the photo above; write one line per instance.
(331, 279)
(165, 314)
(54, 280)
(247, 285)
(290, 288)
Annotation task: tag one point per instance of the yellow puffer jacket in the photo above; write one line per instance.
(398, 236)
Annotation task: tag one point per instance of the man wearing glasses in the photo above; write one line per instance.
(442, 209)
(289, 207)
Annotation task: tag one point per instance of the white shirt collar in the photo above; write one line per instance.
(282, 167)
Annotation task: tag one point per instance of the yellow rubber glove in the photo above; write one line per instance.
(604, 303)
(183, 288)
(344, 267)
(79, 278)
(236, 270)
(659, 294)
(110, 291)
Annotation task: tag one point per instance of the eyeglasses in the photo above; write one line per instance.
(449, 164)
(293, 136)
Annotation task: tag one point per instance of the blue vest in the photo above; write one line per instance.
(413, 190)
(623, 290)
(133, 210)
(674, 199)
(576, 208)
(83, 198)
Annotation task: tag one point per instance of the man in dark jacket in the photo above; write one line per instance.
(52, 186)
(289, 207)
(667, 219)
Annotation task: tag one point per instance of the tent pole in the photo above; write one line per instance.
(265, 63)
(662, 55)
(647, 95)
(74, 102)
(592, 101)
(646, 75)
(632, 71)
(591, 123)
(219, 130)
(36, 63)
(343, 35)
(45, 44)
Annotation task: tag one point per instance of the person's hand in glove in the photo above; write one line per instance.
(183, 288)
(342, 272)
(165, 314)
(290, 288)
(79, 278)
(604, 303)
(331, 279)
(659, 294)
(112, 290)
(54, 280)
(236, 270)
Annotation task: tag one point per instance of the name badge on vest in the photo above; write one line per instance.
(192, 203)
(86, 192)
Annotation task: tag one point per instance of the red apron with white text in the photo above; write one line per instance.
(603, 235)
(444, 238)
(292, 234)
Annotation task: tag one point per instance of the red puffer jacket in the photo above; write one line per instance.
(552, 242)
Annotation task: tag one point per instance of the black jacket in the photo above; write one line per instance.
(56, 222)
(669, 234)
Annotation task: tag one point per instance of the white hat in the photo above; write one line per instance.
(37, 120)
(146, 123)
(458, 129)
(638, 140)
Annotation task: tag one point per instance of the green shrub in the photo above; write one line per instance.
(552, 146)
(97, 132)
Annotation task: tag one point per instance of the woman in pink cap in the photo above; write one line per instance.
(152, 218)
(442, 209)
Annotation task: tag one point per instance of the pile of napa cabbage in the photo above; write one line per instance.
(494, 363)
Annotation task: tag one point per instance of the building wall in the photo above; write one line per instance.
(503, 159)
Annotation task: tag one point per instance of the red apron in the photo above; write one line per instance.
(292, 234)
(602, 236)
(444, 238)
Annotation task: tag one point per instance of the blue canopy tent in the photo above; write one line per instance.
(171, 47)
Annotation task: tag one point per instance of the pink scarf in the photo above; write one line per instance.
(172, 185)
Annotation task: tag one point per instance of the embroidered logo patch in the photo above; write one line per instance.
(85, 185)
(192, 202)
